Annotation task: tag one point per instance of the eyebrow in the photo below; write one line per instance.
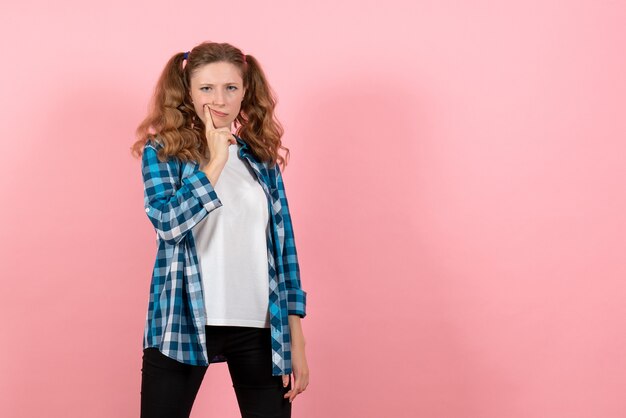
(211, 84)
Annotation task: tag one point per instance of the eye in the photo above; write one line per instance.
(206, 87)
(232, 88)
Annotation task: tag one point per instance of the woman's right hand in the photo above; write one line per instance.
(218, 139)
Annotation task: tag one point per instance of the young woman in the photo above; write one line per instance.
(226, 280)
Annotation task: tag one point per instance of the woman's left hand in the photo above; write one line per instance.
(300, 372)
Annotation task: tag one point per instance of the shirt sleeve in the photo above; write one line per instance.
(296, 297)
(173, 210)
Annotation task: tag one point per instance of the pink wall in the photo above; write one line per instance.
(457, 187)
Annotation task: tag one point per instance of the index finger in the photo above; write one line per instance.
(208, 117)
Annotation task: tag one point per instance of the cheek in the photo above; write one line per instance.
(236, 102)
(195, 98)
(199, 111)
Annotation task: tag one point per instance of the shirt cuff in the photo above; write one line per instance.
(296, 302)
(202, 188)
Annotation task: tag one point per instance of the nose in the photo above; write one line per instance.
(218, 98)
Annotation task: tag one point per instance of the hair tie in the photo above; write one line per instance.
(186, 55)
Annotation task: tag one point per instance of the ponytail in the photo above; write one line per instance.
(258, 123)
(170, 115)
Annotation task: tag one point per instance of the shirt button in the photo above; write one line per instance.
(147, 209)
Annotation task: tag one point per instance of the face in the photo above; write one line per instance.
(220, 86)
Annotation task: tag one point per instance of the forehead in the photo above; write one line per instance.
(216, 73)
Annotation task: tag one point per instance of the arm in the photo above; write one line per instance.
(297, 335)
(173, 212)
(296, 297)
(299, 363)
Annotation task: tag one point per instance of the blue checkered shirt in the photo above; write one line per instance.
(178, 195)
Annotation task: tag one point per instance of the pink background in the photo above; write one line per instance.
(456, 183)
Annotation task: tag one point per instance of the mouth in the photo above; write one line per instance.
(216, 113)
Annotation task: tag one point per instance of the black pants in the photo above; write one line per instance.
(169, 388)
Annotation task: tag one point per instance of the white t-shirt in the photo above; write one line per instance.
(232, 249)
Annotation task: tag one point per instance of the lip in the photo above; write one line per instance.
(216, 113)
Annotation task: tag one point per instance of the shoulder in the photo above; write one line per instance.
(154, 142)
(152, 158)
